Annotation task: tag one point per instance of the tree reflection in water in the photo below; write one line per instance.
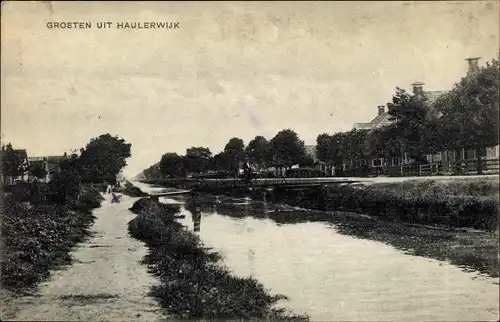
(196, 205)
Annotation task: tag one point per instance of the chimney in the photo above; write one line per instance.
(381, 109)
(473, 65)
(418, 88)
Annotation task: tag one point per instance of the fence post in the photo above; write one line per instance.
(420, 170)
(402, 171)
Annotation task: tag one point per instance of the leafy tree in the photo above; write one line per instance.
(258, 151)
(411, 116)
(354, 145)
(287, 149)
(153, 172)
(386, 142)
(221, 162)
(171, 164)
(64, 188)
(72, 163)
(307, 161)
(324, 149)
(104, 157)
(469, 112)
(337, 156)
(234, 154)
(37, 170)
(236, 147)
(197, 159)
(12, 162)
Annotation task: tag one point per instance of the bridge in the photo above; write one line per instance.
(196, 185)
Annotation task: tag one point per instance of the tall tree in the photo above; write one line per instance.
(258, 151)
(103, 157)
(236, 146)
(324, 149)
(221, 162)
(12, 162)
(386, 142)
(171, 165)
(197, 159)
(235, 153)
(411, 116)
(354, 145)
(469, 112)
(287, 149)
(37, 170)
(153, 172)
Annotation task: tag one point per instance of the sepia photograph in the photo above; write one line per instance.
(250, 160)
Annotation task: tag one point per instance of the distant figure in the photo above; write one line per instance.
(116, 198)
(109, 189)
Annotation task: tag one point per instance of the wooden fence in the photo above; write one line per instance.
(464, 167)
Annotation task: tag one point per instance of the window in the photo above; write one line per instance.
(395, 162)
(363, 162)
(377, 162)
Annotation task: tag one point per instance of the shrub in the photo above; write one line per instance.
(36, 239)
(64, 188)
(453, 204)
(88, 200)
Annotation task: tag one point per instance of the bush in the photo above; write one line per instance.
(36, 239)
(64, 188)
(89, 199)
(410, 203)
(21, 191)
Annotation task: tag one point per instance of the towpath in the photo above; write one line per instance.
(106, 281)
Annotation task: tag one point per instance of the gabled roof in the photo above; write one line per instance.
(434, 95)
(385, 119)
(362, 126)
(381, 120)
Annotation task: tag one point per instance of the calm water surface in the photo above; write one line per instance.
(331, 276)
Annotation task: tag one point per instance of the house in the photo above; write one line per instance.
(49, 163)
(318, 164)
(23, 156)
(383, 119)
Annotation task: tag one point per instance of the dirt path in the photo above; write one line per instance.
(105, 283)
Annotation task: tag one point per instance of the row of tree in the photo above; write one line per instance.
(466, 117)
(284, 150)
(101, 159)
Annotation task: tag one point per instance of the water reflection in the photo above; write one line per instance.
(333, 276)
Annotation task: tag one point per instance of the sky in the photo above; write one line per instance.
(231, 69)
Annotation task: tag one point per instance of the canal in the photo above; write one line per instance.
(331, 275)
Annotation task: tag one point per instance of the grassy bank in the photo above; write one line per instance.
(194, 282)
(38, 237)
(454, 203)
